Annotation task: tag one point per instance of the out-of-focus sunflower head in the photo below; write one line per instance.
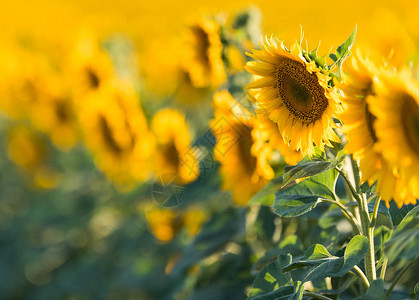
(235, 59)
(54, 114)
(176, 159)
(243, 166)
(115, 131)
(25, 147)
(163, 223)
(90, 66)
(203, 53)
(378, 126)
(396, 107)
(192, 220)
(387, 36)
(22, 81)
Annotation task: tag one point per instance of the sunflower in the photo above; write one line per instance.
(244, 166)
(358, 121)
(90, 66)
(163, 223)
(27, 149)
(176, 160)
(54, 114)
(22, 81)
(295, 95)
(360, 78)
(203, 59)
(115, 131)
(396, 107)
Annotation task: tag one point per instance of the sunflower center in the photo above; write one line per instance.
(244, 146)
(370, 118)
(108, 136)
(171, 155)
(410, 121)
(202, 45)
(62, 110)
(300, 91)
(92, 78)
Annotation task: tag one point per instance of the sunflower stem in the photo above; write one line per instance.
(362, 275)
(383, 268)
(347, 213)
(368, 232)
(375, 212)
(367, 226)
(351, 188)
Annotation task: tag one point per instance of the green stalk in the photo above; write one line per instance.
(383, 269)
(366, 224)
(362, 275)
(368, 232)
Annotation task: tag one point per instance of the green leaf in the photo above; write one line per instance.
(271, 277)
(283, 293)
(404, 242)
(300, 198)
(314, 256)
(308, 169)
(416, 290)
(327, 176)
(343, 51)
(397, 214)
(298, 291)
(333, 266)
(376, 291)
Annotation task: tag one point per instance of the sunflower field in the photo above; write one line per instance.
(182, 150)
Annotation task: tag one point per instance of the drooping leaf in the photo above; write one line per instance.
(404, 242)
(283, 293)
(314, 256)
(333, 266)
(397, 214)
(271, 277)
(308, 169)
(300, 198)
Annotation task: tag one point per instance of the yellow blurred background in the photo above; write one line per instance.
(326, 20)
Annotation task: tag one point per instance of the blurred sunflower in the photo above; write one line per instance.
(359, 125)
(90, 66)
(166, 223)
(175, 159)
(358, 121)
(27, 149)
(203, 58)
(295, 95)
(396, 107)
(116, 132)
(244, 167)
(162, 222)
(54, 114)
(22, 80)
